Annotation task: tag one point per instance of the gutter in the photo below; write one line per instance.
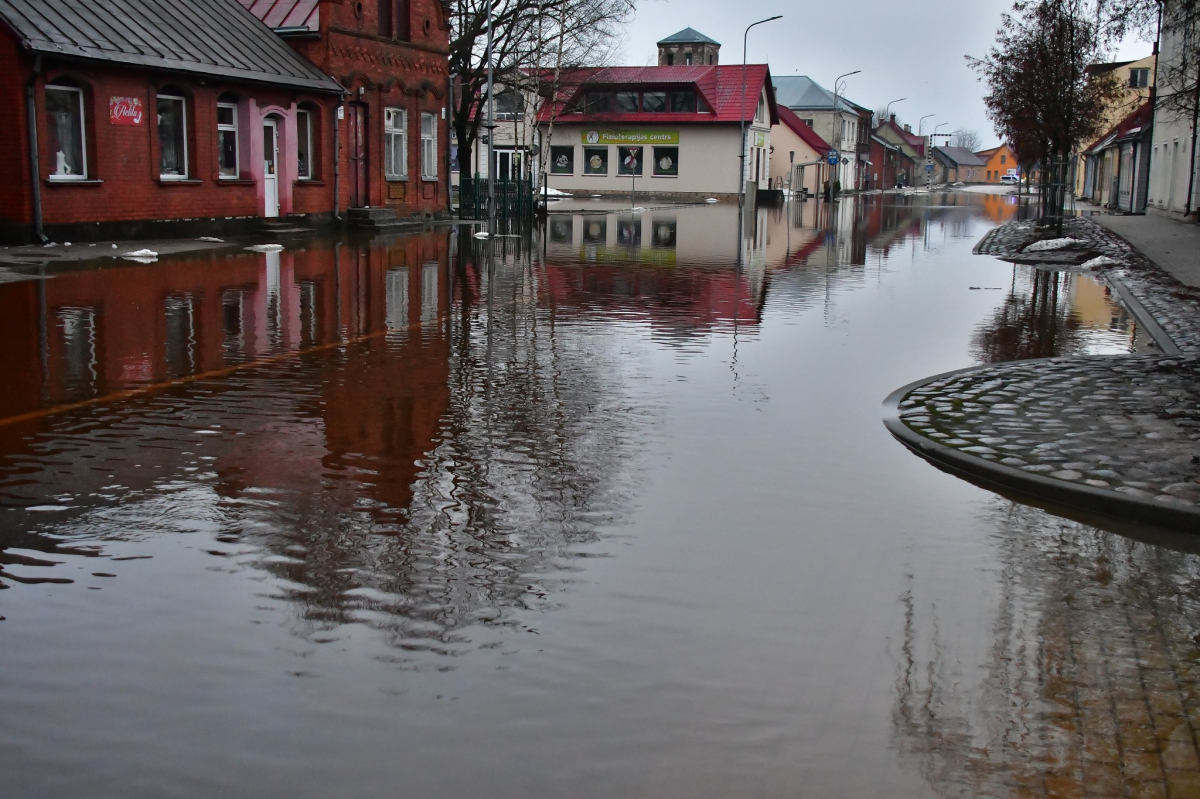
(337, 158)
(35, 168)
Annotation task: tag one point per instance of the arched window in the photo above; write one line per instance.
(228, 156)
(172, 134)
(68, 130)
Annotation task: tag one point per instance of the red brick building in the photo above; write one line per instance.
(392, 56)
(159, 118)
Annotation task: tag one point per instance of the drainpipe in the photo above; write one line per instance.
(35, 167)
(449, 158)
(1187, 205)
(337, 159)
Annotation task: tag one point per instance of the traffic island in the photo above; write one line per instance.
(1118, 436)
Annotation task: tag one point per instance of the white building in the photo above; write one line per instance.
(1173, 158)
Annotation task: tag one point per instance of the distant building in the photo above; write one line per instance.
(674, 130)
(800, 162)
(1175, 160)
(957, 165)
(998, 161)
(1137, 81)
(1117, 167)
(911, 162)
(689, 48)
(845, 125)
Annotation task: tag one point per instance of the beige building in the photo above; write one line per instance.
(674, 130)
(800, 158)
(1137, 79)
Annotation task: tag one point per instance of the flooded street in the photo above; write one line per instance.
(593, 512)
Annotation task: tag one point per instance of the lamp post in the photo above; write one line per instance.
(491, 126)
(921, 124)
(742, 115)
(932, 142)
(839, 124)
(888, 111)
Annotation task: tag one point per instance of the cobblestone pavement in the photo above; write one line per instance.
(1127, 424)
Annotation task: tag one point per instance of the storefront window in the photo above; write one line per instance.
(172, 137)
(629, 160)
(64, 106)
(666, 161)
(227, 140)
(595, 160)
(562, 160)
(654, 102)
(395, 143)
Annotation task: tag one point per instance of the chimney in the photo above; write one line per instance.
(908, 128)
(892, 119)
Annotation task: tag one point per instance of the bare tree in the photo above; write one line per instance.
(525, 33)
(1040, 96)
(967, 139)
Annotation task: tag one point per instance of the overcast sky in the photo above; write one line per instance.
(912, 49)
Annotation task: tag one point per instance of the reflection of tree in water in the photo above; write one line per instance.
(1035, 321)
(1091, 682)
(531, 458)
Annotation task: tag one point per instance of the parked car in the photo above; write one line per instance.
(1011, 180)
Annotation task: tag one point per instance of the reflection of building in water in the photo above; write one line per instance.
(1089, 683)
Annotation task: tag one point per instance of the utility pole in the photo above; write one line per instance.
(838, 123)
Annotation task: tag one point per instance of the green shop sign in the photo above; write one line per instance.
(631, 137)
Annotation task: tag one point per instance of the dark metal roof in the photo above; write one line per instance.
(960, 156)
(206, 37)
(689, 36)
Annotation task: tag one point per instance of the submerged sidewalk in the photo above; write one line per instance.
(1172, 245)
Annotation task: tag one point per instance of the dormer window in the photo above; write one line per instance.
(654, 102)
(627, 102)
(597, 103)
(1139, 78)
(683, 102)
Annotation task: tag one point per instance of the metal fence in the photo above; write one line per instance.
(515, 199)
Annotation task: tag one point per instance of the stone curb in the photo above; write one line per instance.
(1048, 489)
(1143, 316)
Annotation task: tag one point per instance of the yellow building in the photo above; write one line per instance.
(1137, 78)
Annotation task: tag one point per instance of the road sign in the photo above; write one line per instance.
(631, 159)
(833, 157)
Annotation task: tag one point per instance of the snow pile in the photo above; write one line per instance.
(141, 256)
(1101, 262)
(549, 192)
(1052, 244)
(210, 238)
(266, 248)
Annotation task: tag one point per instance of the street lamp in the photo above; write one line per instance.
(887, 111)
(935, 130)
(921, 124)
(742, 115)
(839, 123)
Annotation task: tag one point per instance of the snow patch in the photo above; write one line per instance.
(266, 248)
(1053, 244)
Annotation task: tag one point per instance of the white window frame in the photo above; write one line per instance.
(429, 165)
(391, 132)
(82, 135)
(186, 173)
(237, 145)
(305, 117)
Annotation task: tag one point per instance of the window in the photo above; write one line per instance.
(403, 26)
(227, 140)
(654, 102)
(687, 59)
(562, 160)
(808, 122)
(1139, 78)
(385, 18)
(629, 160)
(597, 103)
(666, 162)
(429, 170)
(510, 105)
(683, 102)
(1004, 159)
(627, 102)
(172, 137)
(64, 107)
(304, 144)
(595, 160)
(760, 113)
(670, 59)
(395, 144)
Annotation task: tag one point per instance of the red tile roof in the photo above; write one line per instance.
(720, 86)
(285, 13)
(788, 117)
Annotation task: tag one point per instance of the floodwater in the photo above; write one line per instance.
(605, 511)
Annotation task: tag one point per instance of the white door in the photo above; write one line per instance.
(271, 168)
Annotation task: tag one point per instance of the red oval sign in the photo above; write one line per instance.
(125, 110)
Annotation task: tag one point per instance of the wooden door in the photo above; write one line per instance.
(358, 149)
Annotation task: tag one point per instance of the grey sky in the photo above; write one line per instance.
(912, 50)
